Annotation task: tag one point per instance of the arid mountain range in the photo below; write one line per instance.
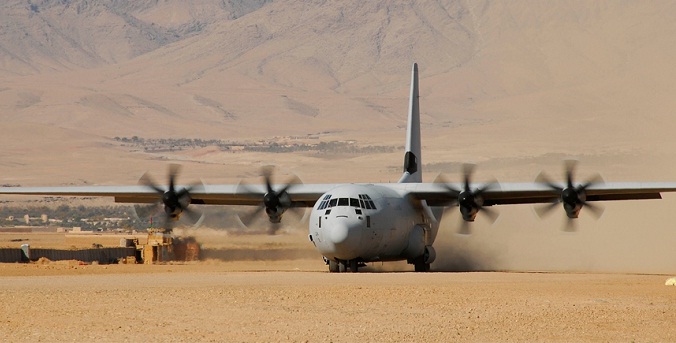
(513, 86)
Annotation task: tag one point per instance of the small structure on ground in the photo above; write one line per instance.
(163, 247)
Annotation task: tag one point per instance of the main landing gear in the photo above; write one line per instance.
(342, 266)
(420, 266)
(422, 263)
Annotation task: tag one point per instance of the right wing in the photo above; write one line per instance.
(302, 195)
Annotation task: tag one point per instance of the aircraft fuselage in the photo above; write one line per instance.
(367, 223)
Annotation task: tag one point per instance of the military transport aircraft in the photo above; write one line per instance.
(353, 224)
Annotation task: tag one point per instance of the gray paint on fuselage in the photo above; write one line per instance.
(343, 234)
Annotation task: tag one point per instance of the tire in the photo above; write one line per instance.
(342, 266)
(422, 267)
(333, 267)
(354, 266)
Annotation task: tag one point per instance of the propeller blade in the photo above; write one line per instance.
(470, 201)
(293, 181)
(570, 166)
(543, 178)
(275, 202)
(273, 228)
(173, 171)
(175, 201)
(544, 210)
(491, 185)
(570, 225)
(490, 213)
(453, 192)
(571, 195)
(596, 210)
(467, 171)
(464, 228)
(148, 181)
(250, 216)
(594, 180)
(147, 211)
(195, 217)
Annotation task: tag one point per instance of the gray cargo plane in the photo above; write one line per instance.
(354, 224)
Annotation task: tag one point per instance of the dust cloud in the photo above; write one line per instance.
(630, 237)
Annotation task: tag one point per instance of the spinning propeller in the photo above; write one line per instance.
(275, 202)
(573, 197)
(469, 200)
(175, 201)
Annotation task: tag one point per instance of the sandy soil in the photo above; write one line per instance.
(295, 299)
(298, 301)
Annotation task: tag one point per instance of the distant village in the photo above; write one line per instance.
(276, 145)
(67, 218)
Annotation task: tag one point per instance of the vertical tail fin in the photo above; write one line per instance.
(412, 158)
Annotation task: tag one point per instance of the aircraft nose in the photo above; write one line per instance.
(345, 239)
(339, 233)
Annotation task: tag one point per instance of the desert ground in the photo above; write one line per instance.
(514, 87)
(296, 299)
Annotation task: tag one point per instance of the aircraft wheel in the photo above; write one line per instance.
(354, 266)
(342, 266)
(422, 267)
(333, 266)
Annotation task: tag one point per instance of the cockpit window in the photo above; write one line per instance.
(363, 202)
(367, 202)
(325, 202)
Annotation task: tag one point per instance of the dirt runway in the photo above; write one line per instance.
(297, 300)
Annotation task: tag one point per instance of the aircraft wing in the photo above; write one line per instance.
(533, 193)
(306, 195)
(301, 195)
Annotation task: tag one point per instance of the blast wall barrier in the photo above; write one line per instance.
(100, 255)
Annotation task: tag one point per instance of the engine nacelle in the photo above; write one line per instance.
(275, 205)
(573, 199)
(416, 242)
(174, 204)
(469, 205)
(275, 214)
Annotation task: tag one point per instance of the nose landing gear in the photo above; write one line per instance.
(342, 266)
